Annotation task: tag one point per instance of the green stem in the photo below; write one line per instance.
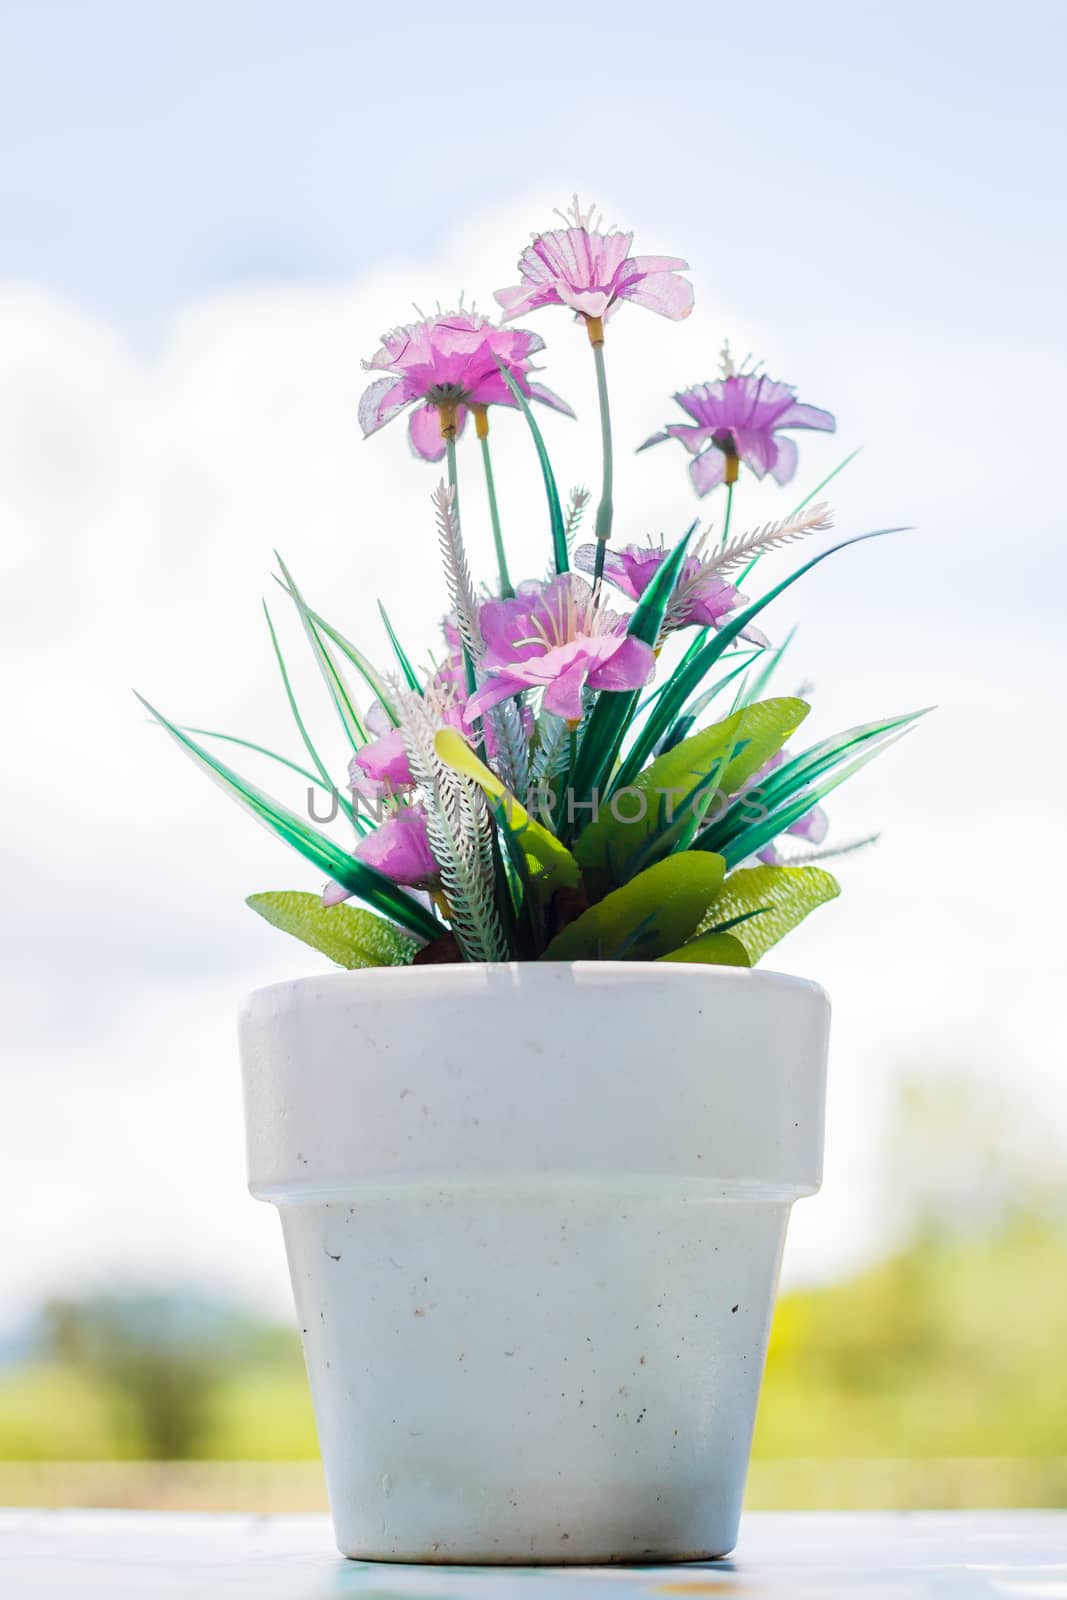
(605, 510)
(468, 664)
(450, 455)
(729, 509)
(507, 589)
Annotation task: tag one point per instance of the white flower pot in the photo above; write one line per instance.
(534, 1217)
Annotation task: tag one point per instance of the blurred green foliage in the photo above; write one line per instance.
(957, 1346)
(953, 1348)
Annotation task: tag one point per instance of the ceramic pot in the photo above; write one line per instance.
(534, 1217)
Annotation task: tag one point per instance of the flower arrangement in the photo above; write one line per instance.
(594, 770)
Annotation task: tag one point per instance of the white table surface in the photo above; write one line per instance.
(112, 1555)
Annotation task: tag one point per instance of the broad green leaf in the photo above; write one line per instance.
(346, 934)
(555, 510)
(553, 859)
(648, 917)
(366, 882)
(727, 754)
(782, 895)
(712, 949)
(687, 678)
(331, 673)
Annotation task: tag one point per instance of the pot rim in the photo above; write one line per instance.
(340, 980)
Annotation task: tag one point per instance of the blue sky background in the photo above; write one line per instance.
(208, 213)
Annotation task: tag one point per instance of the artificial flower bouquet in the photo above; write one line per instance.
(594, 768)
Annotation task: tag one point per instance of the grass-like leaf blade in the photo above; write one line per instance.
(370, 885)
(374, 680)
(331, 673)
(614, 710)
(688, 677)
(555, 510)
(402, 659)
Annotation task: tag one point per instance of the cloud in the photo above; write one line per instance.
(141, 496)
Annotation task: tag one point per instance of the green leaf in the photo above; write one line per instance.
(649, 916)
(728, 753)
(555, 510)
(332, 676)
(346, 934)
(550, 858)
(712, 949)
(410, 675)
(685, 723)
(796, 778)
(283, 761)
(753, 838)
(367, 671)
(614, 710)
(782, 895)
(309, 746)
(366, 882)
(687, 677)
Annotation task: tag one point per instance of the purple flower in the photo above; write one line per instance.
(739, 418)
(400, 848)
(701, 598)
(591, 271)
(555, 637)
(448, 363)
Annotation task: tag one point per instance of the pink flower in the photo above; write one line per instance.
(380, 766)
(400, 848)
(701, 599)
(554, 637)
(448, 362)
(739, 418)
(590, 271)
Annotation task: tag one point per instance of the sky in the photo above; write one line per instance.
(208, 214)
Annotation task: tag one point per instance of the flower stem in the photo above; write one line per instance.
(605, 510)
(450, 456)
(729, 508)
(481, 422)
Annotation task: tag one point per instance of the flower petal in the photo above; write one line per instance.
(707, 470)
(501, 686)
(549, 397)
(563, 696)
(525, 297)
(401, 849)
(425, 431)
(785, 463)
(801, 416)
(664, 292)
(631, 666)
(380, 402)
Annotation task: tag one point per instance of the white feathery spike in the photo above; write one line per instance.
(745, 546)
(459, 829)
(505, 720)
(457, 572)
